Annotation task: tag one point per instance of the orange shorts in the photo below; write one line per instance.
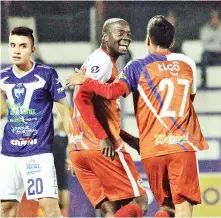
(101, 178)
(173, 177)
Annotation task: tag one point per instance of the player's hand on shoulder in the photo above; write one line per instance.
(76, 78)
(107, 148)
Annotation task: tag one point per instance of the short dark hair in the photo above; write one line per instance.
(160, 31)
(23, 31)
(108, 23)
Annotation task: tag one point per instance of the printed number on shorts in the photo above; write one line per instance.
(167, 83)
(35, 186)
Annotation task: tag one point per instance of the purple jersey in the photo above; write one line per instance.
(30, 96)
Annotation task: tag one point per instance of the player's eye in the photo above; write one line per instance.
(12, 45)
(120, 33)
(129, 35)
(23, 46)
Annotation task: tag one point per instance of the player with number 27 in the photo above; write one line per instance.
(163, 85)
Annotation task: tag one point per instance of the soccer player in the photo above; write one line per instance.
(109, 180)
(163, 86)
(26, 161)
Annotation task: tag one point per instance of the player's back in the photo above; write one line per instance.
(99, 66)
(167, 122)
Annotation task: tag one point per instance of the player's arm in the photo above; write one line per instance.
(3, 108)
(83, 101)
(64, 110)
(111, 91)
(193, 86)
(132, 141)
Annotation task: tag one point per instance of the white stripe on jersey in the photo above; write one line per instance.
(147, 101)
(190, 62)
(72, 138)
(193, 146)
(129, 174)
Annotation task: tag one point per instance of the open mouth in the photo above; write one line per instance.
(123, 46)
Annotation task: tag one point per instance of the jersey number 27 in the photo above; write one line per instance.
(165, 112)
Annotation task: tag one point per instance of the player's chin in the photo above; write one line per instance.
(122, 51)
(17, 62)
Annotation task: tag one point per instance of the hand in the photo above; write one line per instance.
(76, 78)
(107, 148)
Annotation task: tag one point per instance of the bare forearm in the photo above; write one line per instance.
(64, 111)
(3, 108)
(132, 141)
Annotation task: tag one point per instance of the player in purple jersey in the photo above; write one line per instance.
(26, 161)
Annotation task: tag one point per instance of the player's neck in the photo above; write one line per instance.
(20, 69)
(160, 50)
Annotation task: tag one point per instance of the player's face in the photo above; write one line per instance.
(20, 49)
(119, 38)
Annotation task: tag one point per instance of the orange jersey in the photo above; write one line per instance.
(161, 86)
(99, 66)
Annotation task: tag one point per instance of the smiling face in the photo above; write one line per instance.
(20, 49)
(118, 38)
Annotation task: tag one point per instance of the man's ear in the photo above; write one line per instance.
(105, 37)
(33, 49)
(172, 44)
(148, 41)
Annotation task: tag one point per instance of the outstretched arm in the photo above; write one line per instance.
(111, 91)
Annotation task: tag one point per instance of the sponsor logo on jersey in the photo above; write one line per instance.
(22, 111)
(161, 139)
(17, 120)
(60, 90)
(23, 142)
(122, 76)
(173, 67)
(25, 131)
(95, 69)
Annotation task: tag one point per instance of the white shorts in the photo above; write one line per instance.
(35, 175)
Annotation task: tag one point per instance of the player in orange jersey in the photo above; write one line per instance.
(110, 181)
(163, 86)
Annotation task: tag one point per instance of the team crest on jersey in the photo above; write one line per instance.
(19, 92)
(95, 69)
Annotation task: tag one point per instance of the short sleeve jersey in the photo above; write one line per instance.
(30, 97)
(161, 84)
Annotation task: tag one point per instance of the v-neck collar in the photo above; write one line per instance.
(23, 74)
